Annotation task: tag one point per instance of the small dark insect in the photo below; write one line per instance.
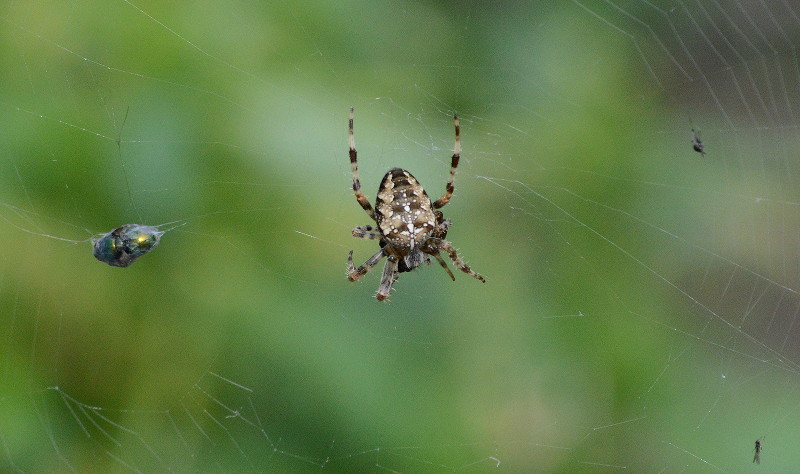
(123, 245)
(410, 227)
(757, 449)
(697, 144)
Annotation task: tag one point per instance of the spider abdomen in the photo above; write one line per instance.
(404, 211)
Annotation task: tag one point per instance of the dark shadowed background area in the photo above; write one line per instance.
(641, 311)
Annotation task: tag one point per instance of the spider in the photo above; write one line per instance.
(410, 227)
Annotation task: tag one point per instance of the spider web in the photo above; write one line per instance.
(641, 305)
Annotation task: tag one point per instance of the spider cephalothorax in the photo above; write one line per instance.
(410, 226)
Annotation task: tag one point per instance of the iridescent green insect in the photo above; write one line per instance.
(123, 245)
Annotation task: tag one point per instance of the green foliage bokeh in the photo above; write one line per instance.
(238, 343)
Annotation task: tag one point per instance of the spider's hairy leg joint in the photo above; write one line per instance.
(352, 273)
(388, 278)
(451, 252)
(366, 232)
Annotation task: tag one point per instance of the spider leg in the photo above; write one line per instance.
(441, 261)
(439, 203)
(362, 200)
(353, 273)
(366, 232)
(451, 251)
(388, 278)
(440, 232)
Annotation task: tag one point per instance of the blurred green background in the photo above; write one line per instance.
(641, 300)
